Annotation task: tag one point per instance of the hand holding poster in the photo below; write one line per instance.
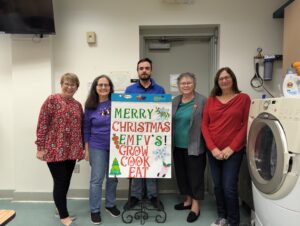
(140, 136)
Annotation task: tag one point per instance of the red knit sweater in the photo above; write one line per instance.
(225, 125)
(59, 129)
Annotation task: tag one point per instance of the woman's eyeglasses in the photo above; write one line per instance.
(103, 85)
(185, 83)
(224, 78)
(72, 85)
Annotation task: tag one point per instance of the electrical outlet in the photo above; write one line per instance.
(77, 168)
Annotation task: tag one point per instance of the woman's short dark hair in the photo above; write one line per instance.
(216, 91)
(93, 97)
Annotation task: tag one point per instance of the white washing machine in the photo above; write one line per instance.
(273, 151)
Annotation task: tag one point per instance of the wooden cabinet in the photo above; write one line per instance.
(291, 35)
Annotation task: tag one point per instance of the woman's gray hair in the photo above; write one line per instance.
(187, 74)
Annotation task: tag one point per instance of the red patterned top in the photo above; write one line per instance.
(59, 129)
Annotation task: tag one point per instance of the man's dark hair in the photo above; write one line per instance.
(144, 60)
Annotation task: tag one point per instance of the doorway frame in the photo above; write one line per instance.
(210, 31)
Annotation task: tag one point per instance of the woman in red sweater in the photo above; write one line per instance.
(224, 127)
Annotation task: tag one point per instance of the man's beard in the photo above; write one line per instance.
(145, 77)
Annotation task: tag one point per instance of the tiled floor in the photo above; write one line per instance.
(42, 214)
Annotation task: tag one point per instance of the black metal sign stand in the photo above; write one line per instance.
(143, 210)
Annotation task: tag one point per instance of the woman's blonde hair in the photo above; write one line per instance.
(70, 77)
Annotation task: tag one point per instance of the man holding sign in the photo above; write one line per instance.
(145, 85)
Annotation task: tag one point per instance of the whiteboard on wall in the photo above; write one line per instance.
(121, 79)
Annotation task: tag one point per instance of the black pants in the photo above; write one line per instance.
(189, 170)
(61, 173)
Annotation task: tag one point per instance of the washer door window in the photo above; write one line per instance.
(267, 153)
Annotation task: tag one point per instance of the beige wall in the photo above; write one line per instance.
(6, 123)
(291, 35)
(31, 79)
(28, 69)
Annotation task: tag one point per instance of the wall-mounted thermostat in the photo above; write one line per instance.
(91, 37)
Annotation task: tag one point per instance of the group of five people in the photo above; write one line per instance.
(217, 124)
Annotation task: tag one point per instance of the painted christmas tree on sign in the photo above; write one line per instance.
(115, 168)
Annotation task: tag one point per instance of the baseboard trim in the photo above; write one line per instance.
(6, 194)
(32, 196)
(18, 196)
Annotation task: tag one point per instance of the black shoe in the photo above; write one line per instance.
(181, 206)
(96, 218)
(131, 203)
(113, 211)
(156, 204)
(192, 217)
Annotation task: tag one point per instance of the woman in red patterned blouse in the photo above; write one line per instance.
(59, 140)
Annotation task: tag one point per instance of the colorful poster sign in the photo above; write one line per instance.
(140, 136)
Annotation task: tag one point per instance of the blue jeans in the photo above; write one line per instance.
(99, 160)
(137, 187)
(225, 174)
